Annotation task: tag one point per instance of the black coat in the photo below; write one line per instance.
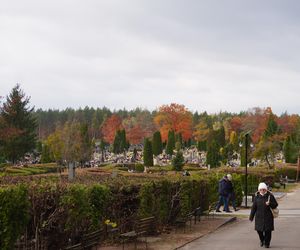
(264, 220)
(224, 187)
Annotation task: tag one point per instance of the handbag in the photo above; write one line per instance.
(275, 211)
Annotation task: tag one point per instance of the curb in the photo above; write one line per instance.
(230, 220)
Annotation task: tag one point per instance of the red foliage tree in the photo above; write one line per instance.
(110, 126)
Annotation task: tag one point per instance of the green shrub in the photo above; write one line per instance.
(147, 200)
(76, 206)
(178, 161)
(139, 168)
(186, 191)
(14, 216)
(99, 199)
(123, 168)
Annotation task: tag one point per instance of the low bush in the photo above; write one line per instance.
(139, 168)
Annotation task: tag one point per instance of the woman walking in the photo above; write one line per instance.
(263, 202)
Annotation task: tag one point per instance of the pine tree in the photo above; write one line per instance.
(157, 143)
(290, 150)
(148, 154)
(272, 127)
(117, 142)
(120, 143)
(179, 139)
(171, 143)
(202, 145)
(85, 144)
(178, 161)
(213, 155)
(18, 116)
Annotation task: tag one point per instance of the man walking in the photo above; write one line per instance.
(223, 194)
(231, 193)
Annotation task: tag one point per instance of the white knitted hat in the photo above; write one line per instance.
(262, 185)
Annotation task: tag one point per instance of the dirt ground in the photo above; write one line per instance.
(174, 239)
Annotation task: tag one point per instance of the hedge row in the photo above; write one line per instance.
(57, 213)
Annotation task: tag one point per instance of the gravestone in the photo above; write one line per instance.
(71, 167)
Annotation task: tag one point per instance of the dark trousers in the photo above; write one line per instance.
(265, 236)
(231, 197)
(223, 200)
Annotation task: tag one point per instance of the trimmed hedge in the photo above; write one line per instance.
(55, 213)
(14, 214)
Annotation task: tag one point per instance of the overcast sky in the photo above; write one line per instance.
(207, 55)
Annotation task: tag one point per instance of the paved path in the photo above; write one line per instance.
(241, 235)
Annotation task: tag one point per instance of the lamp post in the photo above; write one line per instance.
(246, 164)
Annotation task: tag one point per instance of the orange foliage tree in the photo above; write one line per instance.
(139, 127)
(256, 120)
(174, 117)
(110, 127)
(288, 123)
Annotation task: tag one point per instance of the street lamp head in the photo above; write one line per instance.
(251, 145)
(241, 144)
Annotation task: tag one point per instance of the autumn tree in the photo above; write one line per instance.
(148, 154)
(71, 137)
(269, 144)
(157, 143)
(18, 125)
(266, 149)
(174, 117)
(46, 156)
(110, 127)
(56, 145)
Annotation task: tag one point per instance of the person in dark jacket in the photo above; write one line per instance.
(231, 195)
(261, 209)
(223, 194)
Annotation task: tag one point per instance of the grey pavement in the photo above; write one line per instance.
(241, 235)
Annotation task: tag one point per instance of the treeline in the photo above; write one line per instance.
(72, 133)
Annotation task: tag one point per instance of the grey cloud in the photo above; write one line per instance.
(209, 55)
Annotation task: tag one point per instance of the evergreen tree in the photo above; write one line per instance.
(290, 150)
(220, 137)
(157, 143)
(202, 145)
(120, 143)
(102, 148)
(272, 127)
(148, 154)
(171, 143)
(178, 161)
(117, 142)
(16, 115)
(124, 144)
(85, 144)
(179, 139)
(213, 155)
